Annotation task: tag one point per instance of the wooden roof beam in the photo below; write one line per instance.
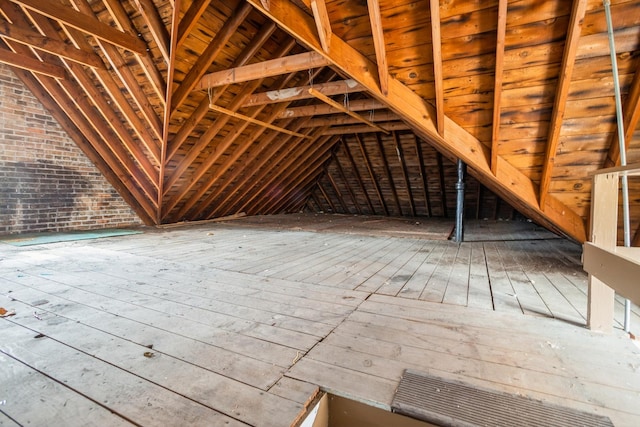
(336, 190)
(357, 174)
(299, 186)
(55, 47)
(147, 65)
(203, 108)
(339, 87)
(343, 177)
(341, 119)
(320, 96)
(510, 182)
(261, 70)
(325, 109)
(501, 33)
(423, 175)
(630, 119)
(206, 138)
(173, 44)
(296, 167)
(128, 79)
(372, 175)
(285, 161)
(216, 45)
(264, 124)
(265, 151)
(31, 64)
(387, 170)
(120, 102)
(436, 44)
(323, 25)
(353, 129)
(562, 93)
(405, 172)
(156, 27)
(87, 24)
(190, 19)
(377, 32)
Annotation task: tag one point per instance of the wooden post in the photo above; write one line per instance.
(604, 231)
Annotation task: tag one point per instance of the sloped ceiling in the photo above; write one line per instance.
(196, 109)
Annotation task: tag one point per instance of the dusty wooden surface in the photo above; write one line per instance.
(238, 323)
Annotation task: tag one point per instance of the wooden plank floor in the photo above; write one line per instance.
(239, 323)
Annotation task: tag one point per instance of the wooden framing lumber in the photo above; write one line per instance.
(323, 25)
(405, 172)
(562, 93)
(190, 19)
(436, 45)
(423, 175)
(255, 121)
(336, 161)
(387, 171)
(497, 86)
(87, 24)
(55, 47)
(156, 26)
(510, 183)
(324, 109)
(443, 191)
(145, 61)
(340, 87)
(260, 70)
(604, 233)
(201, 110)
(378, 43)
(31, 64)
(354, 167)
(372, 175)
(216, 45)
(320, 96)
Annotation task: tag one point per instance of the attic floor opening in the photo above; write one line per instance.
(242, 322)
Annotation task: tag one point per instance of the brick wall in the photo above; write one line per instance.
(46, 182)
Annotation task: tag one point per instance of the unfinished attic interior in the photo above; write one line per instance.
(280, 182)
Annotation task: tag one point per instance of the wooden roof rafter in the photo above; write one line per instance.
(157, 29)
(497, 86)
(323, 25)
(32, 64)
(203, 107)
(354, 167)
(124, 72)
(436, 44)
(320, 96)
(122, 20)
(292, 170)
(107, 107)
(377, 33)
(338, 87)
(423, 175)
(420, 116)
(371, 173)
(53, 46)
(212, 50)
(568, 61)
(366, 104)
(204, 141)
(190, 19)
(343, 177)
(264, 69)
(405, 172)
(85, 23)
